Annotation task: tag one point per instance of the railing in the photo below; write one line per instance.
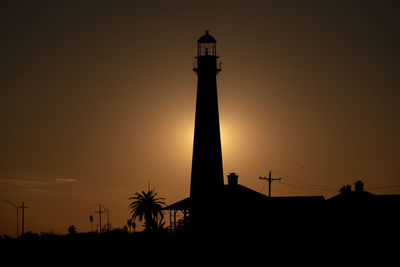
(218, 65)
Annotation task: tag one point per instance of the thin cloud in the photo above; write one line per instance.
(23, 182)
(65, 180)
(32, 180)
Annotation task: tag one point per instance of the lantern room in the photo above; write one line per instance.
(206, 46)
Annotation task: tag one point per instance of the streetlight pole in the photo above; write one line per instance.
(16, 207)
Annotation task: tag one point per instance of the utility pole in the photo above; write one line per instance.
(100, 212)
(16, 207)
(269, 179)
(23, 207)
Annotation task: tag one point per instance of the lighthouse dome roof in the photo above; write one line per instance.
(206, 38)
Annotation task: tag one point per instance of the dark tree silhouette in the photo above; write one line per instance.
(72, 230)
(147, 206)
(345, 189)
(131, 224)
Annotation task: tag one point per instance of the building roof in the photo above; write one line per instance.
(183, 204)
(389, 197)
(299, 199)
(240, 191)
(206, 38)
(366, 198)
(353, 195)
(240, 195)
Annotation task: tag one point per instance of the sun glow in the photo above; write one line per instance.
(229, 137)
(184, 137)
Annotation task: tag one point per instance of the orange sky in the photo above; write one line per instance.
(98, 98)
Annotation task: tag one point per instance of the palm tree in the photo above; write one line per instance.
(147, 206)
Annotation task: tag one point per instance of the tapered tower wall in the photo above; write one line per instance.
(207, 173)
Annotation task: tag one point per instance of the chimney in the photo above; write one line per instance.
(233, 179)
(359, 186)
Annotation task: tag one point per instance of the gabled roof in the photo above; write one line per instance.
(240, 191)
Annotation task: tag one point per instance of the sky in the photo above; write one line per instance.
(97, 101)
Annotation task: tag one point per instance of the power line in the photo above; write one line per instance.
(341, 179)
(384, 187)
(330, 184)
(317, 186)
(304, 188)
(328, 188)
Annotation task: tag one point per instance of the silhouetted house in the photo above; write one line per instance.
(363, 213)
(258, 212)
(234, 203)
(239, 207)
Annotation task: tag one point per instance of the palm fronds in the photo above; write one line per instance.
(147, 206)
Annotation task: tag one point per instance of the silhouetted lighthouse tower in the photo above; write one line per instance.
(207, 176)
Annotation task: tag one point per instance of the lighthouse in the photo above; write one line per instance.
(214, 209)
(212, 206)
(207, 180)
